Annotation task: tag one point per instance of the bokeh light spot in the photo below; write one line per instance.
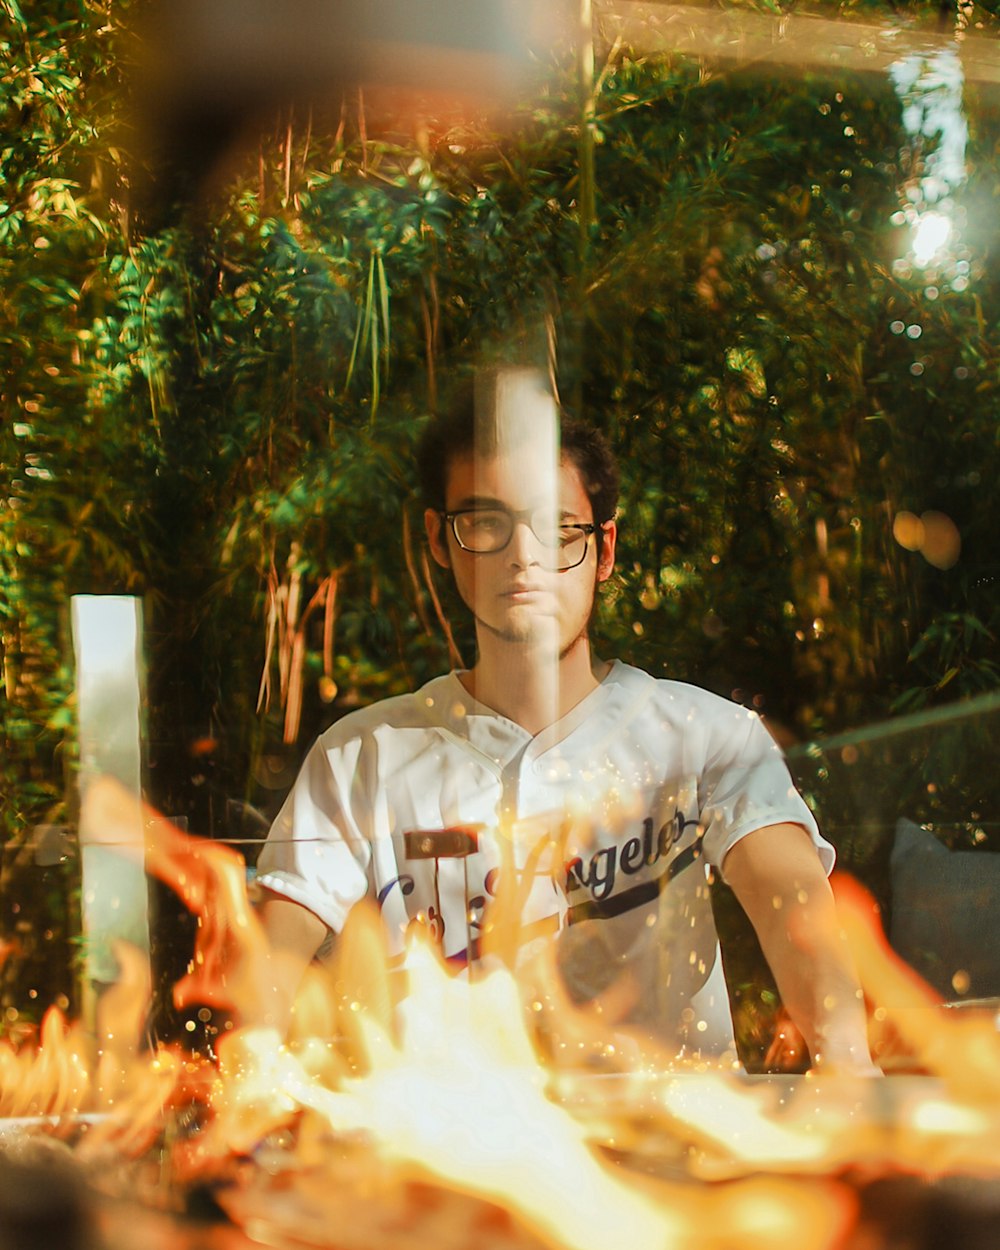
(930, 237)
(908, 531)
(942, 543)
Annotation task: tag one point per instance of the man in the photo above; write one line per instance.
(604, 792)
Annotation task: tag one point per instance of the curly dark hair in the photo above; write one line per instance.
(469, 424)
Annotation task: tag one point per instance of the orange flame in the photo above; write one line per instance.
(963, 1050)
(442, 1085)
(452, 1092)
(50, 1079)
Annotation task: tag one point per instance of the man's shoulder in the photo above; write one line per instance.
(678, 698)
(417, 709)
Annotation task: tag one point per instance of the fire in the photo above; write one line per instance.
(442, 1086)
(963, 1051)
(453, 1093)
(210, 879)
(51, 1080)
(451, 1096)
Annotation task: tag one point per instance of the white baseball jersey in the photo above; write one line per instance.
(609, 819)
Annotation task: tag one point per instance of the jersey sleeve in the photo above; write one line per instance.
(745, 786)
(318, 850)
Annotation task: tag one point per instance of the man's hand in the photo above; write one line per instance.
(777, 876)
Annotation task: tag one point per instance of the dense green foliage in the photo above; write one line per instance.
(218, 414)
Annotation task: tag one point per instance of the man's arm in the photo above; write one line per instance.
(780, 883)
(295, 935)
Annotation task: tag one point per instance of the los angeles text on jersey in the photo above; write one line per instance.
(600, 873)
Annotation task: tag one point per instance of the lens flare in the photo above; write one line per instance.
(933, 230)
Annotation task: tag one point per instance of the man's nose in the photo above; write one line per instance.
(523, 548)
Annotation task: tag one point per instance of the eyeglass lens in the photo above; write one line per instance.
(486, 530)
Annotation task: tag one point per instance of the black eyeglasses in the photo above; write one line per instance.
(485, 531)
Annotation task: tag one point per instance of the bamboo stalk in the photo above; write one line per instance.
(264, 692)
(329, 617)
(411, 569)
(455, 656)
(293, 703)
(325, 594)
(290, 620)
(587, 197)
(288, 161)
(429, 350)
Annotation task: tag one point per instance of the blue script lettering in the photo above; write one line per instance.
(599, 873)
(405, 887)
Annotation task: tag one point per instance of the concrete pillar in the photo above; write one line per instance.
(107, 643)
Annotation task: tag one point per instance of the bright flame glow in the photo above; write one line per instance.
(456, 1095)
(453, 1098)
(933, 1116)
(442, 1087)
(731, 1120)
(52, 1081)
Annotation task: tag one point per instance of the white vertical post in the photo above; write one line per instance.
(107, 642)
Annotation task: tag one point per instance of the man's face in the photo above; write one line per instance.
(515, 594)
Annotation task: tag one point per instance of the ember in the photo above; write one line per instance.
(434, 1104)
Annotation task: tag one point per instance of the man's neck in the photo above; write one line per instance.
(531, 686)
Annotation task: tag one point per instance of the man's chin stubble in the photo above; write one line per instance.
(534, 639)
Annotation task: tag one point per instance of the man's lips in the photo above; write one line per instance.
(527, 591)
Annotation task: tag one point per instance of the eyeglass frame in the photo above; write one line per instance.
(525, 515)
